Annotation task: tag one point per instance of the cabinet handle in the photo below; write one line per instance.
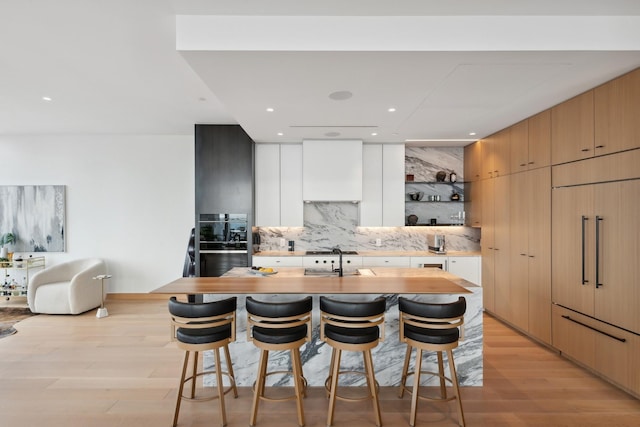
(584, 222)
(523, 254)
(523, 164)
(531, 256)
(584, 150)
(599, 146)
(598, 219)
(531, 163)
(594, 329)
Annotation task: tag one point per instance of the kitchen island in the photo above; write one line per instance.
(422, 284)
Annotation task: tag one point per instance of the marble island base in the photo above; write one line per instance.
(388, 357)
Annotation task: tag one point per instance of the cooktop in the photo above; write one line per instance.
(330, 253)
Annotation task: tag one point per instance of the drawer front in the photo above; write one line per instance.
(392, 261)
(610, 351)
(277, 261)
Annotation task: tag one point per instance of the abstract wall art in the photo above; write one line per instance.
(35, 214)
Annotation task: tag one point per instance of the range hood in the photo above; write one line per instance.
(331, 170)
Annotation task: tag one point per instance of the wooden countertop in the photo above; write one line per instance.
(292, 281)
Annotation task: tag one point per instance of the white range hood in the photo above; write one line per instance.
(331, 170)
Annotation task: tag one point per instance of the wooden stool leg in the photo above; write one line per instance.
(230, 369)
(443, 384)
(223, 412)
(297, 382)
(456, 387)
(181, 388)
(416, 387)
(335, 369)
(371, 379)
(302, 387)
(195, 372)
(405, 370)
(259, 386)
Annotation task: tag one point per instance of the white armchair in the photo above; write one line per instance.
(66, 288)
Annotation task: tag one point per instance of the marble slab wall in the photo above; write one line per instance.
(331, 224)
(388, 356)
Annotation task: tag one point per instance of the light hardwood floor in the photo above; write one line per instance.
(123, 371)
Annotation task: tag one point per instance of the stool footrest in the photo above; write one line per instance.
(409, 389)
(230, 387)
(285, 398)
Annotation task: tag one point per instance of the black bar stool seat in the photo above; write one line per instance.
(277, 326)
(431, 327)
(352, 326)
(198, 327)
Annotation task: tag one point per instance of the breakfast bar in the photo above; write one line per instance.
(287, 284)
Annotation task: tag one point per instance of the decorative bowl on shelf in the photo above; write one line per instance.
(416, 195)
(441, 176)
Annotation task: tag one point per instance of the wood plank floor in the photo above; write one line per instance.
(122, 371)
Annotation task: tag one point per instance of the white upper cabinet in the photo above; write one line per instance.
(291, 205)
(267, 184)
(278, 185)
(332, 170)
(393, 185)
(382, 185)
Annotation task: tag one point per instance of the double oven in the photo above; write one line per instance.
(222, 243)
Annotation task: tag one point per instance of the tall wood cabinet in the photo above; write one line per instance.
(595, 269)
(495, 245)
(530, 257)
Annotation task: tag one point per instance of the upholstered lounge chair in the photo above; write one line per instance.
(66, 288)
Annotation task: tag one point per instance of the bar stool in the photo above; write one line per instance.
(274, 326)
(197, 327)
(431, 327)
(352, 326)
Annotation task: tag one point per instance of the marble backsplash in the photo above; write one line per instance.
(327, 225)
(331, 224)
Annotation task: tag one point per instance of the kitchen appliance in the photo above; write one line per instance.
(436, 243)
(222, 243)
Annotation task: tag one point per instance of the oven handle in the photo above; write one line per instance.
(224, 251)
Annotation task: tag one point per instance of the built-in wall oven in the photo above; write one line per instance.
(222, 243)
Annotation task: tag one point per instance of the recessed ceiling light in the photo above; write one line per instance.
(280, 133)
(472, 133)
(391, 110)
(270, 110)
(340, 95)
(374, 134)
(47, 98)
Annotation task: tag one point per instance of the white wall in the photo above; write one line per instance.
(129, 199)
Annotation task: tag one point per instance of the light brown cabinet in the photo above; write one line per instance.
(530, 258)
(572, 134)
(473, 203)
(617, 113)
(473, 162)
(539, 129)
(495, 245)
(595, 243)
(520, 146)
(610, 351)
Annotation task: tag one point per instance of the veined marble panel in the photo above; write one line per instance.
(424, 162)
(388, 356)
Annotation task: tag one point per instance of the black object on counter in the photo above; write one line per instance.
(292, 245)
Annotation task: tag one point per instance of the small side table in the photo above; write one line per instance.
(102, 311)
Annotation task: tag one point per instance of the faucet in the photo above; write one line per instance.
(339, 252)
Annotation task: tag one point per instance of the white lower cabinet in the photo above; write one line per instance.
(277, 261)
(390, 261)
(467, 267)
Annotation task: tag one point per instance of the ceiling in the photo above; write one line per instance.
(161, 66)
